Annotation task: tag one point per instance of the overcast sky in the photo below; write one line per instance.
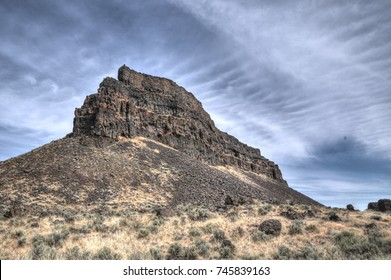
(307, 82)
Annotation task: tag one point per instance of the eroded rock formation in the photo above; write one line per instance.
(157, 108)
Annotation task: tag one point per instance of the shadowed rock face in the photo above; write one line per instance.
(142, 105)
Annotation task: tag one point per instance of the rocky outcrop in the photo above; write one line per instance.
(373, 206)
(383, 205)
(271, 227)
(291, 214)
(350, 207)
(157, 108)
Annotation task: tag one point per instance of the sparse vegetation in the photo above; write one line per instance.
(193, 231)
(75, 253)
(142, 233)
(203, 247)
(354, 247)
(197, 234)
(218, 235)
(175, 252)
(106, 254)
(259, 236)
(303, 253)
(156, 253)
(197, 213)
(227, 249)
(264, 209)
(311, 228)
(376, 217)
(296, 227)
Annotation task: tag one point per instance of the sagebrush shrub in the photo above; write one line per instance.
(106, 254)
(354, 247)
(296, 227)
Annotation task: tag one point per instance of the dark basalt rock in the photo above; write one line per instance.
(271, 227)
(373, 206)
(334, 217)
(157, 108)
(292, 215)
(350, 207)
(384, 205)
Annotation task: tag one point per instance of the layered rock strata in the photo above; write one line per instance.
(157, 108)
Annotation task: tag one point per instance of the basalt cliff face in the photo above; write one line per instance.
(141, 143)
(156, 108)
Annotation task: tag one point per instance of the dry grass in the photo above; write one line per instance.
(195, 233)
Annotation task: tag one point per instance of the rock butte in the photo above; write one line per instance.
(140, 143)
(157, 108)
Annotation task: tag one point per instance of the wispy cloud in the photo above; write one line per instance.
(317, 72)
(321, 76)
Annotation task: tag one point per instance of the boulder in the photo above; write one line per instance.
(292, 215)
(334, 217)
(350, 207)
(228, 201)
(271, 227)
(373, 206)
(384, 205)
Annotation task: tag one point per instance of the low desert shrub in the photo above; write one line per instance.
(198, 214)
(190, 253)
(312, 228)
(158, 221)
(34, 225)
(296, 227)
(376, 217)
(139, 255)
(178, 235)
(237, 232)
(227, 249)
(68, 218)
(259, 236)
(354, 247)
(56, 239)
(263, 210)
(123, 223)
(218, 235)
(40, 250)
(156, 253)
(153, 229)
(106, 254)
(17, 234)
(380, 239)
(209, 228)
(99, 225)
(175, 252)
(304, 253)
(22, 241)
(194, 232)
(75, 253)
(233, 216)
(142, 233)
(202, 247)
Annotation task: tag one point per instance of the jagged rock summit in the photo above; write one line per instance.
(156, 108)
(141, 143)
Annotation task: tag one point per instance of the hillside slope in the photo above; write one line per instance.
(141, 143)
(139, 174)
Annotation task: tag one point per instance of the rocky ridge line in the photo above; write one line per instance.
(157, 108)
